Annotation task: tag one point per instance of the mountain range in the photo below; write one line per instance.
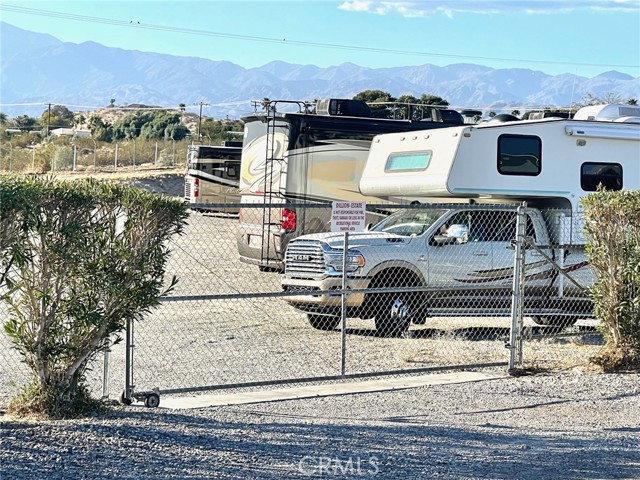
(40, 69)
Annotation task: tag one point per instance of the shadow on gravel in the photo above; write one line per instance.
(250, 444)
(470, 333)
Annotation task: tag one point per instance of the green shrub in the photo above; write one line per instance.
(612, 226)
(77, 259)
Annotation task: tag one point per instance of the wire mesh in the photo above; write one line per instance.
(559, 329)
(428, 286)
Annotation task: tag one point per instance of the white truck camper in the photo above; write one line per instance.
(462, 249)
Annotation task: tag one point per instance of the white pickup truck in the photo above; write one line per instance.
(455, 260)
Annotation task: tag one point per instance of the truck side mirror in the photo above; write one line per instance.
(459, 231)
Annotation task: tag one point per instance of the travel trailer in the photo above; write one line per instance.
(212, 176)
(461, 251)
(296, 157)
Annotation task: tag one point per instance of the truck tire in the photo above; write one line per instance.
(393, 314)
(554, 320)
(323, 322)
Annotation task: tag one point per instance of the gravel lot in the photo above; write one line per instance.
(565, 426)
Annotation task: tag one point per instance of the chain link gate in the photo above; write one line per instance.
(230, 324)
(560, 331)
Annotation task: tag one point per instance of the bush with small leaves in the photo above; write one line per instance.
(77, 259)
(612, 226)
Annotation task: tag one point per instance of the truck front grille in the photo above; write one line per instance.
(304, 259)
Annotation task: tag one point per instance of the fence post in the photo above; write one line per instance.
(343, 309)
(515, 337)
(105, 371)
(127, 394)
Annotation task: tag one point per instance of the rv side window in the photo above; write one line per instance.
(592, 174)
(519, 155)
(409, 161)
(316, 137)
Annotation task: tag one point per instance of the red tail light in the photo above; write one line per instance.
(196, 187)
(288, 221)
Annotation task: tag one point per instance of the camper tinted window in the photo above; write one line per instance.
(399, 162)
(609, 175)
(519, 155)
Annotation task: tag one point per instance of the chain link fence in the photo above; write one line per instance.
(561, 332)
(431, 287)
(68, 154)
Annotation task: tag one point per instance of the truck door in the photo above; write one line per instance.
(460, 249)
(503, 251)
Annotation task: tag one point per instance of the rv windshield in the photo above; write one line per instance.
(409, 222)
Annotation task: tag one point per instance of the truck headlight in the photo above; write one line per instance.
(355, 260)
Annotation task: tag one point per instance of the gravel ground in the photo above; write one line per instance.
(567, 425)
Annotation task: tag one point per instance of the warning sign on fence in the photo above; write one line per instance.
(348, 216)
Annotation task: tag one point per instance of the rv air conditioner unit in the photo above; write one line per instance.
(343, 107)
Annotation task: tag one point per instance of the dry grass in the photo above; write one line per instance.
(123, 173)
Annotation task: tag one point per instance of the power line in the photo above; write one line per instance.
(126, 107)
(190, 31)
(508, 107)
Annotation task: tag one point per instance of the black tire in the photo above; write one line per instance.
(152, 400)
(393, 315)
(323, 322)
(554, 320)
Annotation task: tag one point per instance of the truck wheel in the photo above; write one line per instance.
(393, 315)
(323, 322)
(554, 320)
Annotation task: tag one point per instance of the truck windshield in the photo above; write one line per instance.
(409, 222)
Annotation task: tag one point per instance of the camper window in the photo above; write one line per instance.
(409, 161)
(609, 175)
(519, 155)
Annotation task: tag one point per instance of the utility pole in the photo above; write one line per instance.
(200, 117)
(48, 119)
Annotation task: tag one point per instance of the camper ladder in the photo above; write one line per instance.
(274, 177)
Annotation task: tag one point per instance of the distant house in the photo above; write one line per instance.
(71, 132)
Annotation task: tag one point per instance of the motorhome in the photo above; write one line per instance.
(461, 250)
(212, 176)
(296, 157)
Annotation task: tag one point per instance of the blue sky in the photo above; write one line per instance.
(584, 37)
